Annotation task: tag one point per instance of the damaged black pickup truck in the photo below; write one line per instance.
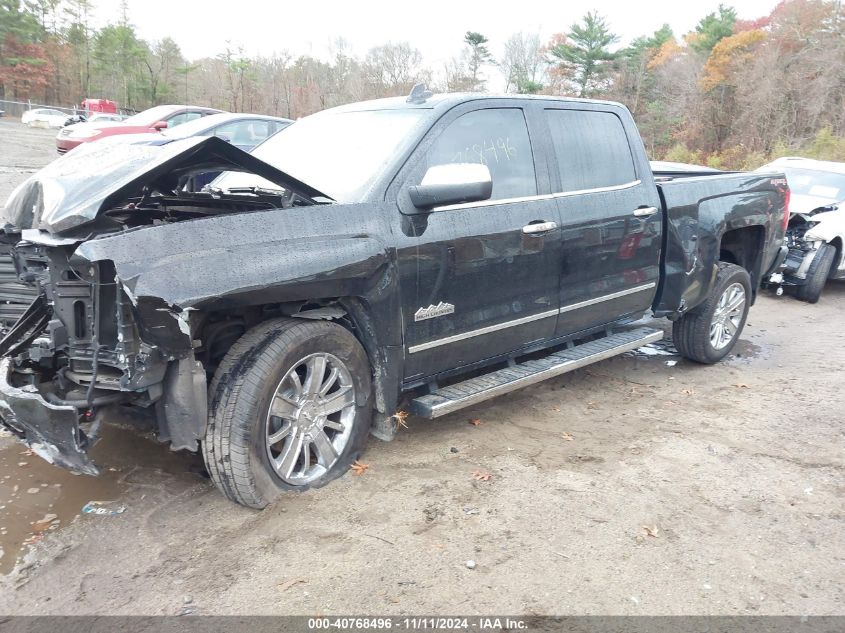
(419, 254)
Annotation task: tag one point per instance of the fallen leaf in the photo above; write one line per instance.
(651, 530)
(284, 586)
(481, 475)
(400, 417)
(475, 422)
(567, 436)
(44, 523)
(359, 468)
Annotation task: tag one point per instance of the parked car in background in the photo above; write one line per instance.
(151, 120)
(44, 117)
(244, 131)
(97, 117)
(816, 230)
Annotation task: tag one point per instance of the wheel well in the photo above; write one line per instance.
(218, 330)
(744, 247)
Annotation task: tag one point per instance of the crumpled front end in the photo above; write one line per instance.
(805, 235)
(73, 351)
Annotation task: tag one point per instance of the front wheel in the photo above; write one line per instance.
(289, 409)
(709, 332)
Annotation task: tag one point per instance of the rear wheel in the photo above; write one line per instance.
(708, 333)
(289, 409)
(817, 274)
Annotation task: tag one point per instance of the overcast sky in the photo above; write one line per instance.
(436, 27)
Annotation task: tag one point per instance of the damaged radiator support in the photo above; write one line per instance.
(77, 347)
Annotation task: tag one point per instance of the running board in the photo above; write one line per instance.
(474, 390)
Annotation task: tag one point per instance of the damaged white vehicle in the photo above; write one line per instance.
(816, 230)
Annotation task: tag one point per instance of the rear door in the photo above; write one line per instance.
(477, 279)
(610, 215)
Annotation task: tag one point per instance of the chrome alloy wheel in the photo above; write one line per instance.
(727, 317)
(310, 418)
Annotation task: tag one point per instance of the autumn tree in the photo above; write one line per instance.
(393, 69)
(712, 28)
(162, 62)
(586, 53)
(479, 55)
(523, 63)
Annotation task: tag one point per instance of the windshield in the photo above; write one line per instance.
(818, 184)
(148, 117)
(338, 153)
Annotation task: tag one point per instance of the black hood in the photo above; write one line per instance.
(76, 188)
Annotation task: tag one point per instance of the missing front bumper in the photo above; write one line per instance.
(51, 431)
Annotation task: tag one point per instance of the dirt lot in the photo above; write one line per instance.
(629, 487)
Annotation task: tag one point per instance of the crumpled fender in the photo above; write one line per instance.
(240, 260)
(828, 226)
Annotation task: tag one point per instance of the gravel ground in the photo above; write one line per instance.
(629, 487)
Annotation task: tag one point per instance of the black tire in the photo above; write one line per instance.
(817, 274)
(691, 333)
(235, 446)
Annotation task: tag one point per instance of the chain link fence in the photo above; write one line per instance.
(15, 109)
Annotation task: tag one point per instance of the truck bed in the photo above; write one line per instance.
(700, 210)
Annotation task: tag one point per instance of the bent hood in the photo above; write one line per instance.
(803, 203)
(76, 188)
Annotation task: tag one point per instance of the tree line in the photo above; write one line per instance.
(730, 93)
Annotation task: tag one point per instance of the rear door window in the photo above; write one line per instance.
(591, 148)
(498, 138)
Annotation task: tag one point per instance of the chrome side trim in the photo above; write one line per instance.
(610, 297)
(545, 196)
(534, 317)
(485, 330)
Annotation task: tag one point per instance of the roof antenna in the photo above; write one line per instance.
(419, 93)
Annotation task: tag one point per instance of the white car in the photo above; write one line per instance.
(44, 117)
(816, 231)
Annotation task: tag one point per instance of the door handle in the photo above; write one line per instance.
(644, 212)
(539, 227)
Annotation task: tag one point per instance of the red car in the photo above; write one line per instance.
(152, 120)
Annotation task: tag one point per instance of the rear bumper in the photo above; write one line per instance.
(51, 431)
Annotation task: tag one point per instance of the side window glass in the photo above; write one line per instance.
(175, 120)
(497, 138)
(591, 148)
(182, 117)
(244, 134)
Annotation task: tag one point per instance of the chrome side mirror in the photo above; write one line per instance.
(452, 183)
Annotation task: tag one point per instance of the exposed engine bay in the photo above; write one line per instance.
(805, 234)
(76, 336)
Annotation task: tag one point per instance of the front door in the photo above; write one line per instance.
(478, 280)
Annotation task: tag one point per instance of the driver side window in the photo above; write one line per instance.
(497, 138)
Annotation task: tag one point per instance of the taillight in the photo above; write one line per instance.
(786, 196)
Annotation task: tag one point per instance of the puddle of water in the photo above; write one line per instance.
(37, 498)
(745, 351)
